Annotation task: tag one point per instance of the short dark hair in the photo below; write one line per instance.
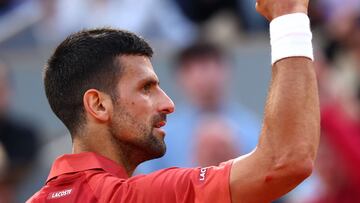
(199, 50)
(85, 60)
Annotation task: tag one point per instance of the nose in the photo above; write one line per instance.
(166, 105)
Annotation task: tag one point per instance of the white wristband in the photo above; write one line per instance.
(290, 36)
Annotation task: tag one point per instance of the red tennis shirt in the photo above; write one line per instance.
(89, 177)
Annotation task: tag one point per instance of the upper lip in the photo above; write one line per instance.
(160, 124)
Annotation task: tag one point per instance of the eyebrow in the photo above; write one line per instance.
(150, 80)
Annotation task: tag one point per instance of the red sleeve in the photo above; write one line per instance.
(172, 185)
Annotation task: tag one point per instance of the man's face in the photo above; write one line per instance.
(204, 81)
(140, 109)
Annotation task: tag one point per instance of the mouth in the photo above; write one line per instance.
(158, 128)
(160, 124)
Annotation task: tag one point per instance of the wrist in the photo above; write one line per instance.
(291, 36)
(288, 9)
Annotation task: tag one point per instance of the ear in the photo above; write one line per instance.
(98, 105)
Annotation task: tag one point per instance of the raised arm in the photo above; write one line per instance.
(289, 138)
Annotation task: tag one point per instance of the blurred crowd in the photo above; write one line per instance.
(209, 125)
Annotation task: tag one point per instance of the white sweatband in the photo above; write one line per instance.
(290, 36)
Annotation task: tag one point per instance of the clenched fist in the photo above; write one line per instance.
(271, 9)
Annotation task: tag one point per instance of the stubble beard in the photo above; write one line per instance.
(136, 139)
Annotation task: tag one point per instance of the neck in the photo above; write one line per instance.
(105, 144)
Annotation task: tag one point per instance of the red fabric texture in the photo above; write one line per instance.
(89, 177)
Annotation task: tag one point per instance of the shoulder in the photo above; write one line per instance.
(40, 196)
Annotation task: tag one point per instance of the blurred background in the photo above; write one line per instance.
(213, 59)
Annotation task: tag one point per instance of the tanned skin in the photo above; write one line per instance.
(290, 134)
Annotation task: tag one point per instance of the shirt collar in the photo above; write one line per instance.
(71, 163)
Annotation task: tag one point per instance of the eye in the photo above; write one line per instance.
(147, 87)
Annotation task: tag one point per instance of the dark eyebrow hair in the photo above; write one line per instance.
(150, 80)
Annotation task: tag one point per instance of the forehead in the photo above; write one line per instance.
(136, 68)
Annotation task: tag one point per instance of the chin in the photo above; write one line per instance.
(150, 155)
(158, 155)
(155, 147)
(159, 152)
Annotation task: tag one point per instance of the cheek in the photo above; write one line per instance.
(139, 107)
(127, 124)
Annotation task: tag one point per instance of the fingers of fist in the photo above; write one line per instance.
(271, 9)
